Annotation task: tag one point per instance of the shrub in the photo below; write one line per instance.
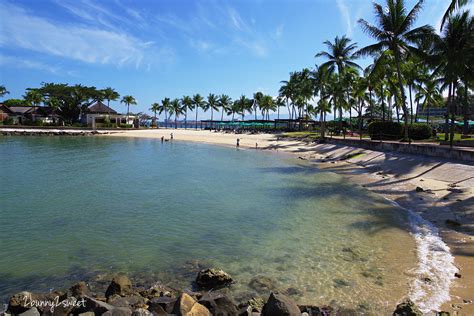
(8, 121)
(126, 125)
(418, 131)
(385, 130)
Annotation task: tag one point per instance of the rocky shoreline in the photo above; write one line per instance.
(210, 296)
(51, 133)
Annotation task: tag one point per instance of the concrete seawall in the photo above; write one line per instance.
(416, 149)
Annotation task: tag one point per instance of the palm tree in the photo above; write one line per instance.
(3, 91)
(224, 103)
(187, 103)
(212, 102)
(177, 110)
(33, 97)
(431, 96)
(394, 32)
(453, 6)
(452, 53)
(340, 54)
(128, 99)
(110, 94)
(155, 107)
(257, 97)
(165, 107)
(198, 102)
(242, 105)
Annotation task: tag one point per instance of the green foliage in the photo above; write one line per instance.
(15, 102)
(8, 121)
(125, 125)
(418, 131)
(385, 130)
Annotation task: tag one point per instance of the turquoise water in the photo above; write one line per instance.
(86, 207)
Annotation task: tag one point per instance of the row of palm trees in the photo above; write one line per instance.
(412, 67)
(216, 103)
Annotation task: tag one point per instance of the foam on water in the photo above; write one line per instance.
(435, 270)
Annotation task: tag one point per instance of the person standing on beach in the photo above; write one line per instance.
(238, 142)
(162, 138)
(171, 136)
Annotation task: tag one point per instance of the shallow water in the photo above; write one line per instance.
(75, 208)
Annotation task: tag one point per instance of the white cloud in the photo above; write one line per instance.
(77, 42)
(22, 63)
(345, 15)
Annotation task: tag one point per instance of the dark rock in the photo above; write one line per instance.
(219, 304)
(118, 311)
(262, 284)
(442, 313)
(457, 275)
(256, 304)
(161, 305)
(341, 283)
(350, 254)
(467, 301)
(18, 303)
(135, 301)
(213, 278)
(291, 291)
(31, 312)
(120, 285)
(79, 289)
(280, 305)
(93, 305)
(407, 308)
(419, 189)
(451, 222)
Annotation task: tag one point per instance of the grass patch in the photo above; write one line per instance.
(307, 135)
(457, 137)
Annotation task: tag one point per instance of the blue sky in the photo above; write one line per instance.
(153, 49)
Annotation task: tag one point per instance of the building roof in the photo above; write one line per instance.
(21, 109)
(5, 109)
(100, 108)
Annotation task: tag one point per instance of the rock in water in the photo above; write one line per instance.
(280, 305)
(219, 304)
(407, 308)
(79, 289)
(120, 285)
(262, 283)
(213, 278)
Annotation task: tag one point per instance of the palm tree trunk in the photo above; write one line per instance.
(428, 114)
(175, 122)
(222, 114)
(186, 119)
(453, 114)
(166, 118)
(416, 110)
(383, 105)
(278, 114)
(466, 109)
(196, 122)
(446, 118)
(371, 104)
(400, 83)
(411, 105)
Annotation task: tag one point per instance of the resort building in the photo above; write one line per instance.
(24, 115)
(100, 115)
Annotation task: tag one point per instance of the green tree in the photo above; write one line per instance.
(33, 97)
(110, 94)
(213, 103)
(393, 31)
(177, 110)
(224, 103)
(3, 91)
(128, 100)
(155, 107)
(453, 6)
(165, 106)
(187, 103)
(198, 103)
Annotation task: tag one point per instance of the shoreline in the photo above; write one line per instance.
(441, 204)
(438, 191)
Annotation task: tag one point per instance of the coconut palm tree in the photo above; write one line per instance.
(452, 55)
(213, 103)
(393, 31)
(155, 107)
(198, 102)
(187, 103)
(165, 107)
(128, 100)
(224, 103)
(453, 6)
(3, 91)
(431, 95)
(33, 97)
(177, 109)
(242, 105)
(257, 97)
(110, 94)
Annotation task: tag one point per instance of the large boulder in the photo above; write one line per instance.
(280, 305)
(407, 308)
(187, 306)
(161, 305)
(219, 304)
(213, 279)
(134, 301)
(120, 285)
(79, 289)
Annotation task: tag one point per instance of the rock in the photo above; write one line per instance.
(218, 304)
(407, 308)
(467, 301)
(280, 305)
(158, 290)
(135, 301)
(87, 314)
(141, 312)
(120, 285)
(93, 305)
(442, 313)
(419, 189)
(118, 311)
(338, 283)
(18, 303)
(213, 278)
(350, 254)
(451, 222)
(262, 284)
(291, 291)
(161, 305)
(31, 312)
(256, 304)
(79, 289)
(187, 306)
